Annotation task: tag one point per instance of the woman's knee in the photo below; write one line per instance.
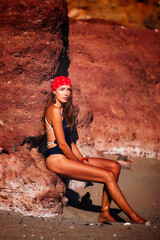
(116, 168)
(109, 177)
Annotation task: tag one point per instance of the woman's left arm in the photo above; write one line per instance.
(76, 151)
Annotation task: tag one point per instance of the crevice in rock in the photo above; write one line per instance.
(64, 64)
(64, 61)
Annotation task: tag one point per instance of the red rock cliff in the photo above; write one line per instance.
(34, 40)
(117, 71)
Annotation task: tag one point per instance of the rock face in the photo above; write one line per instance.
(34, 40)
(117, 71)
(137, 13)
(28, 187)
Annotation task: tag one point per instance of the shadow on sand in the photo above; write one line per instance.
(85, 203)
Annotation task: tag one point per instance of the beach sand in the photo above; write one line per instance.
(140, 185)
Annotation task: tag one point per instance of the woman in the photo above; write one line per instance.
(64, 158)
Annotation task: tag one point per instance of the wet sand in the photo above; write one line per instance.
(140, 185)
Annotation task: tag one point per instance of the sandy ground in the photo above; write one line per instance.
(140, 185)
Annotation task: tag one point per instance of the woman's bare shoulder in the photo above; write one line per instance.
(54, 111)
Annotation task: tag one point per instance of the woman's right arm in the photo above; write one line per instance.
(59, 134)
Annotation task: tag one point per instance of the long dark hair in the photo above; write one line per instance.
(68, 110)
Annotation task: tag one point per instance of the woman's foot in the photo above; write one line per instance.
(106, 217)
(137, 219)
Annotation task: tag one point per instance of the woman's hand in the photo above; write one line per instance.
(86, 161)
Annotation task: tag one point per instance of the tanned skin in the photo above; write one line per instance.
(94, 169)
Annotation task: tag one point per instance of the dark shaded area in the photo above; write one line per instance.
(39, 142)
(34, 142)
(85, 203)
(64, 61)
(143, 1)
(150, 22)
(4, 151)
(63, 66)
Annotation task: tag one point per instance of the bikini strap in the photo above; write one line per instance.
(50, 126)
(47, 122)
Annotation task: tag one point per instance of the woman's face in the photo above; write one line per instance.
(62, 93)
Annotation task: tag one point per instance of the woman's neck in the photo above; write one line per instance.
(58, 104)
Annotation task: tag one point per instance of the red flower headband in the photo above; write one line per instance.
(60, 81)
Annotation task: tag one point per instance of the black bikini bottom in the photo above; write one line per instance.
(54, 150)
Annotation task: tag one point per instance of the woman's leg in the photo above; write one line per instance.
(110, 165)
(114, 167)
(85, 172)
